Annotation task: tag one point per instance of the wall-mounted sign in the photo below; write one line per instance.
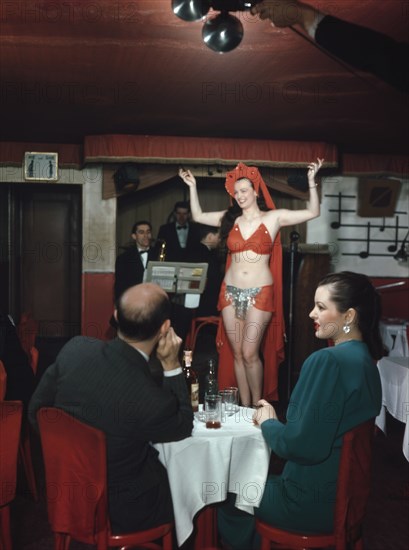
(41, 166)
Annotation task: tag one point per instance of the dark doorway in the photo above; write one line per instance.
(41, 253)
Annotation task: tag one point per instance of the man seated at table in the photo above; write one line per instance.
(109, 386)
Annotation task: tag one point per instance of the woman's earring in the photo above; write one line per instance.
(346, 328)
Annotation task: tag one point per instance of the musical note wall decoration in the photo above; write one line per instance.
(394, 247)
(365, 253)
(343, 219)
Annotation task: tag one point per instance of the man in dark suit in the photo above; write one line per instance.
(181, 236)
(109, 385)
(361, 47)
(207, 252)
(130, 266)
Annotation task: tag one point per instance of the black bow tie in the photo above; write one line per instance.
(143, 251)
(181, 227)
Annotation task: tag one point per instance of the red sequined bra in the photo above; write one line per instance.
(259, 242)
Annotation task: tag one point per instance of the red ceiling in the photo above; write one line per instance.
(75, 68)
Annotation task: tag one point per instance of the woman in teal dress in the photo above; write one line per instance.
(338, 388)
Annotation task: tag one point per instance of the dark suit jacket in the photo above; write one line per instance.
(129, 269)
(20, 377)
(174, 252)
(208, 300)
(109, 386)
(366, 49)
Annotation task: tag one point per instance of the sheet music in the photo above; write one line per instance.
(178, 277)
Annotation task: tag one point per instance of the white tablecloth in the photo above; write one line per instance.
(394, 372)
(204, 467)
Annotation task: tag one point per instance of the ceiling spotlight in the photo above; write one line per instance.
(190, 10)
(221, 33)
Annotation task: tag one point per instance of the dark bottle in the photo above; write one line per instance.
(192, 380)
(211, 384)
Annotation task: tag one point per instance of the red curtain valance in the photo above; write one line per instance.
(12, 152)
(375, 165)
(196, 150)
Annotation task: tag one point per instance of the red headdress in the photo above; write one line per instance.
(251, 173)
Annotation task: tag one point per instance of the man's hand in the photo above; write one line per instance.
(284, 13)
(168, 350)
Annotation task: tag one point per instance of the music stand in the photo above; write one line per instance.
(178, 277)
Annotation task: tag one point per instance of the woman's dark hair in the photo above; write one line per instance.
(234, 212)
(142, 322)
(354, 290)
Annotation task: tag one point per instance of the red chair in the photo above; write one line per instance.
(11, 413)
(353, 486)
(76, 478)
(197, 324)
(34, 356)
(27, 331)
(3, 381)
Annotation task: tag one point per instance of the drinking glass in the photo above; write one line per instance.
(213, 411)
(236, 396)
(228, 398)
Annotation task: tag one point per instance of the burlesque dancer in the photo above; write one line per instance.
(249, 302)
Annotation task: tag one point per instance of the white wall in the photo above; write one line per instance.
(376, 265)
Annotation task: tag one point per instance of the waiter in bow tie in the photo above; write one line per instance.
(181, 235)
(130, 266)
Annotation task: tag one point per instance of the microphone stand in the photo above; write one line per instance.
(294, 236)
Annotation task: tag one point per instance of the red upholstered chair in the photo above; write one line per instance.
(27, 331)
(353, 487)
(76, 478)
(10, 423)
(34, 356)
(197, 324)
(3, 381)
(25, 444)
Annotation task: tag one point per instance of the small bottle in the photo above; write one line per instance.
(192, 380)
(211, 384)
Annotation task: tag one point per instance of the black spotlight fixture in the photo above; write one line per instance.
(222, 32)
(126, 178)
(190, 10)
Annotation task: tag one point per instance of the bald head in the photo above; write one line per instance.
(141, 311)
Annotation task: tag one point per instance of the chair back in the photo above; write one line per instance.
(354, 483)
(34, 356)
(75, 471)
(27, 330)
(76, 479)
(11, 413)
(353, 486)
(3, 381)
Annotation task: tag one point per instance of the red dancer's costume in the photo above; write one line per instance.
(270, 298)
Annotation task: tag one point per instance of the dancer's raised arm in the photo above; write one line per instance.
(207, 218)
(291, 217)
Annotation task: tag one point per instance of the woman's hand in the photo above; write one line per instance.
(187, 177)
(264, 412)
(313, 169)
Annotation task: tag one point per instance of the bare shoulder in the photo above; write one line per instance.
(271, 220)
